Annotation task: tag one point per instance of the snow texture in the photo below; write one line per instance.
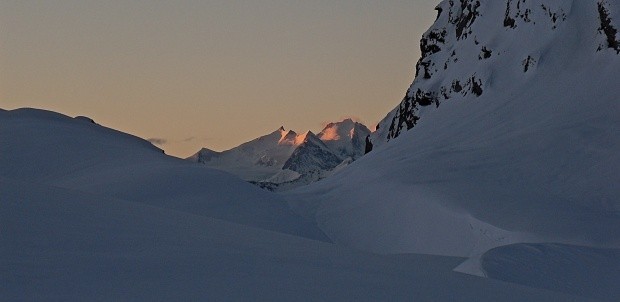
(509, 171)
(513, 124)
(284, 159)
(89, 213)
(45, 147)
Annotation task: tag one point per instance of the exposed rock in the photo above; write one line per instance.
(528, 63)
(607, 27)
(485, 53)
(368, 147)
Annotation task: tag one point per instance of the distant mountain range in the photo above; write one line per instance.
(285, 159)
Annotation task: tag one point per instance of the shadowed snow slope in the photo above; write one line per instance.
(66, 245)
(46, 147)
(533, 157)
(571, 269)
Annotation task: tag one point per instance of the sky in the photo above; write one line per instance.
(189, 74)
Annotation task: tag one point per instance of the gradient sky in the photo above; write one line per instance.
(211, 73)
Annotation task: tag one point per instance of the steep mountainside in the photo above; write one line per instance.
(476, 50)
(284, 159)
(513, 123)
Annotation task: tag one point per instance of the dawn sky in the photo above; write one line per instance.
(210, 73)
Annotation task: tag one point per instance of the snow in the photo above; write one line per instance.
(347, 138)
(266, 160)
(512, 178)
(571, 269)
(533, 159)
(66, 245)
(283, 176)
(89, 213)
(45, 147)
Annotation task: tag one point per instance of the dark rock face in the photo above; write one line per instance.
(485, 53)
(310, 156)
(461, 15)
(476, 86)
(406, 115)
(446, 69)
(429, 44)
(555, 16)
(607, 27)
(514, 11)
(528, 63)
(369, 146)
(464, 20)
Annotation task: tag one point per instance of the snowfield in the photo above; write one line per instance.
(495, 179)
(46, 147)
(119, 220)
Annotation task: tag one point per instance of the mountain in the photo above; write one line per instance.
(311, 155)
(346, 138)
(91, 213)
(284, 159)
(476, 51)
(507, 135)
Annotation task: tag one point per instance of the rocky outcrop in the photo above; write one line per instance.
(607, 27)
(475, 43)
(312, 155)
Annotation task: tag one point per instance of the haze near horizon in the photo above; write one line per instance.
(214, 74)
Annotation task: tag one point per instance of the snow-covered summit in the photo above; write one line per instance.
(285, 156)
(347, 138)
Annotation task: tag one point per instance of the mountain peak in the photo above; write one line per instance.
(302, 138)
(262, 158)
(287, 137)
(476, 48)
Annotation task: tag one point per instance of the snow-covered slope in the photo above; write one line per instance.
(571, 269)
(67, 245)
(89, 213)
(285, 159)
(53, 149)
(477, 50)
(255, 160)
(346, 138)
(514, 119)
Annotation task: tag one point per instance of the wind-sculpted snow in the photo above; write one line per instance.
(46, 147)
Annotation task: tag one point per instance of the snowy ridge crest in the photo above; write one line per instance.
(477, 45)
(285, 158)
